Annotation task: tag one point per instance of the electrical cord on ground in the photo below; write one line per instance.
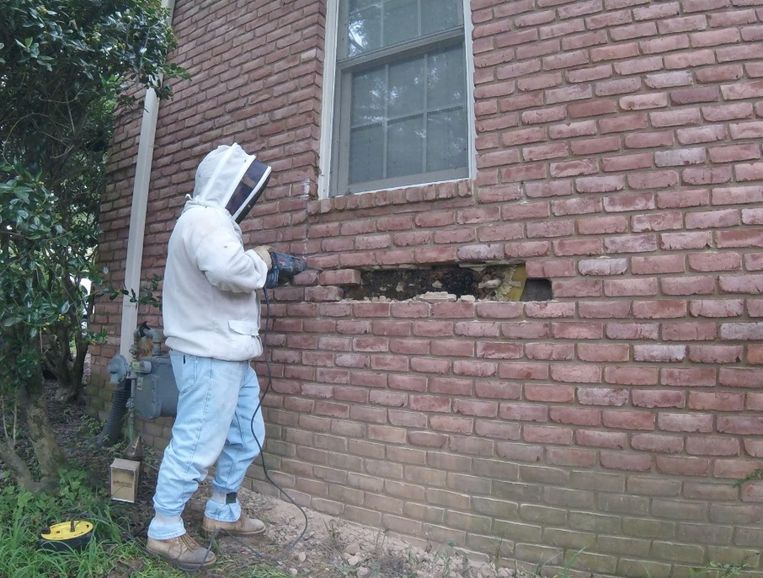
(291, 544)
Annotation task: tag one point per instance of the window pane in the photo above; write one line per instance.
(406, 88)
(363, 30)
(368, 95)
(437, 15)
(446, 140)
(366, 153)
(446, 79)
(406, 145)
(360, 4)
(374, 24)
(401, 21)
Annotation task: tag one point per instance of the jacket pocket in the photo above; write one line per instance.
(244, 327)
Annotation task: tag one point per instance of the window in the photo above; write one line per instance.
(401, 102)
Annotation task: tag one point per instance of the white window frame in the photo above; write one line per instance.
(328, 147)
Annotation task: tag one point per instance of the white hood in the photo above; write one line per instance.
(219, 174)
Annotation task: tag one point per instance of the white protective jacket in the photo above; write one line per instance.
(209, 299)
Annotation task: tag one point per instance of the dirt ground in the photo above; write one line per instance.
(329, 547)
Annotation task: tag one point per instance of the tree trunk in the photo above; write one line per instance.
(49, 455)
(21, 472)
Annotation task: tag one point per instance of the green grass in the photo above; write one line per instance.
(25, 515)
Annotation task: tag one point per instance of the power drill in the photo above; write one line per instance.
(284, 268)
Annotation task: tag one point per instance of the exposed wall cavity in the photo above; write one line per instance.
(490, 283)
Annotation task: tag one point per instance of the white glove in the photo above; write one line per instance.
(263, 252)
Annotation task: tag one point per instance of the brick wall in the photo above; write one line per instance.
(618, 156)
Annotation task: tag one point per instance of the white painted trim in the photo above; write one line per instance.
(134, 259)
(472, 122)
(327, 106)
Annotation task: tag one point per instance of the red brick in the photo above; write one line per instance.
(723, 73)
(599, 225)
(679, 117)
(740, 424)
(689, 59)
(752, 284)
(657, 221)
(669, 79)
(630, 287)
(603, 352)
(549, 393)
(726, 112)
(657, 264)
(683, 466)
(680, 422)
(524, 412)
(715, 353)
(547, 434)
(742, 90)
(627, 162)
(671, 200)
(648, 139)
(623, 122)
(497, 389)
(626, 461)
(712, 446)
(653, 180)
(602, 396)
(640, 331)
(706, 176)
(657, 443)
(614, 52)
(691, 377)
(523, 370)
(602, 439)
(664, 44)
(740, 377)
(574, 168)
(659, 398)
(680, 241)
(679, 157)
(717, 308)
(600, 184)
(603, 309)
(715, 401)
(550, 351)
(659, 353)
(588, 109)
(630, 375)
(576, 373)
(687, 285)
(628, 419)
(701, 134)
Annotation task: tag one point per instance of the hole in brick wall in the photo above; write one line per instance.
(489, 282)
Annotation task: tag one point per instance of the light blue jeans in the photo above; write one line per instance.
(216, 400)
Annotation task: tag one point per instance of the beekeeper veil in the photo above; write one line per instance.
(230, 178)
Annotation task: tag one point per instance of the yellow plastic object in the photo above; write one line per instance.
(74, 534)
(513, 284)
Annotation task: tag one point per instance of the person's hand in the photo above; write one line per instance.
(263, 251)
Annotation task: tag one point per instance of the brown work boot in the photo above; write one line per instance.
(242, 527)
(182, 551)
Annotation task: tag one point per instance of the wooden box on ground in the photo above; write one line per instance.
(124, 480)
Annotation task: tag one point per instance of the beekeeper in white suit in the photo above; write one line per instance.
(211, 322)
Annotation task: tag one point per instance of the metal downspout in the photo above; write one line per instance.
(133, 262)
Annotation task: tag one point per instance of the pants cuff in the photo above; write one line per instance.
(222, 512)
(165, 531)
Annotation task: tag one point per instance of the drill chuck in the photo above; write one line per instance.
(284, 268)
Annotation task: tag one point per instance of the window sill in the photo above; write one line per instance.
(401, 196)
